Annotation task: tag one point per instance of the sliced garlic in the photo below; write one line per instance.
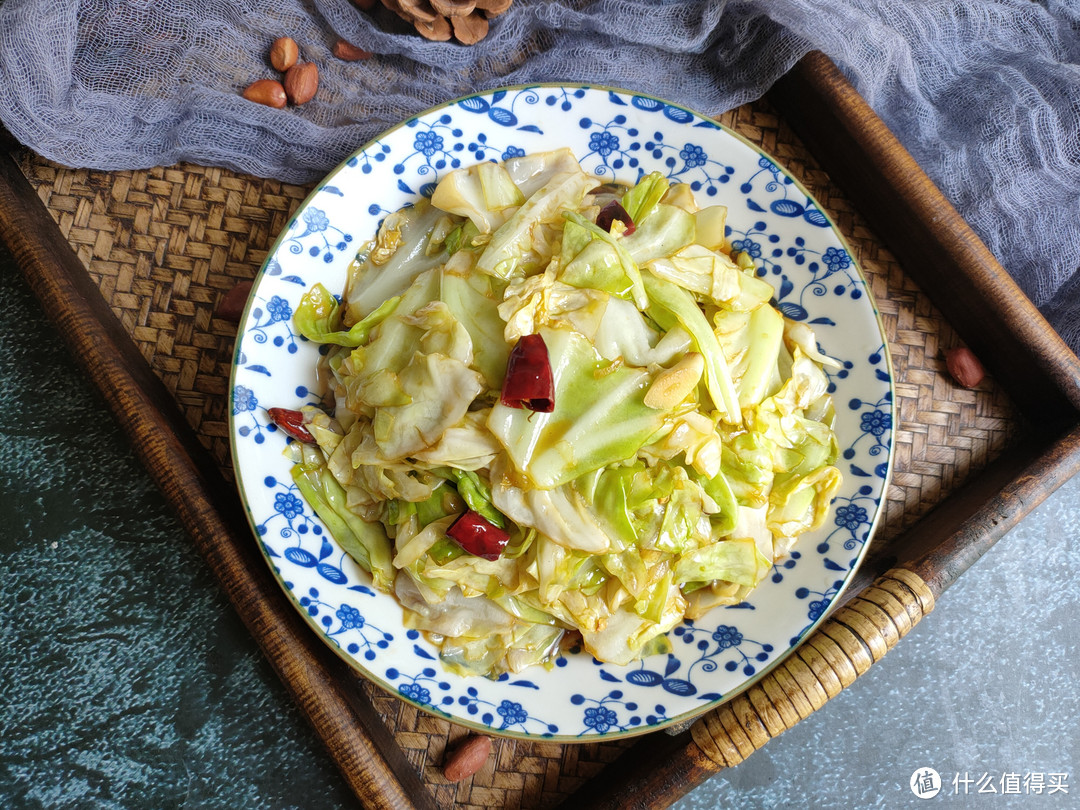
(674, 384)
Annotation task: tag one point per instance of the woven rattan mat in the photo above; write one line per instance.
(165, 244)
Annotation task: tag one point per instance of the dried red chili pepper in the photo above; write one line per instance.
(478, 535)
(614, 211)
(528, 382)
(292, 422)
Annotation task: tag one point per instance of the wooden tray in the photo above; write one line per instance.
(132, 265)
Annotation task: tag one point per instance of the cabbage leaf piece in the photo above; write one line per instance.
(365, 541)
(369, 479)
(599, 416)
(440, 390)
(477, 494)
(694, 436)
(736, 560)
(318, 318)
(667, 231)
(799, 334)
(451, 613)
(617, 251)
(559, 513)
(641, 200)
(369, 370)
(492, 655)
(752, 342)
(682, 196)
(711, 227)
(800, 504)
(466, 446)
(659, 507)
(399, 256)
(511, 251)
(532, 172)
(616, 327)
(541, 300)
(593, 263)
(746, 461)
(800, 443)
(624, 334)
(713, 277)
(474, 304)
(626, 633)
(669, 305)
(485, 193)
(414, 378)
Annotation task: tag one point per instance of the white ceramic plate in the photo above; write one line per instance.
(616, 135)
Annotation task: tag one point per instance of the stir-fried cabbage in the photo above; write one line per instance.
(689, 444)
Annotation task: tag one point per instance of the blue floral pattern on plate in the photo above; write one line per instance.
(616, 135)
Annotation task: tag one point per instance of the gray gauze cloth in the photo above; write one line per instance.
(985, 95)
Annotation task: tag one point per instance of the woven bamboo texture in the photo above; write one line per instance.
(842, 649)
(165, 244)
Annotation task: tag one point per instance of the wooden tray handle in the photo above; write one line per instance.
(843, 648)
(855, 636)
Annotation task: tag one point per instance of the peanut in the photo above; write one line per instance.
(301, 82)
(284, 53)
(467, 758)
(266, 91)
(964, 366)
(231, 306)
(347, 52)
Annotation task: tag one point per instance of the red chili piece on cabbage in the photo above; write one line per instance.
(528, 382)
(478, 536)
(611, 212)
(292, 422)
